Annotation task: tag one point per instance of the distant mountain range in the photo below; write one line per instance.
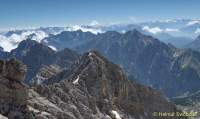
(142, 57)
(178, 32)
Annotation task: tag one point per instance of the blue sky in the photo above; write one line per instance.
(35, 13)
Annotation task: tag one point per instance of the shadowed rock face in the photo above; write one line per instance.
(96, 89)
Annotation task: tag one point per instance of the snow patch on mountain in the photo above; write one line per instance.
(116, 114)
(52, 47)
(3, 117)
(75, 82)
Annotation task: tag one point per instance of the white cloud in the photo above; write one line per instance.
(197, 31)
(169, 21)
(39, 35)
(94, 23)
(171, 30)
(193, 22)
(84, 29)
(7, 44)
(11, 42)
(153, 30)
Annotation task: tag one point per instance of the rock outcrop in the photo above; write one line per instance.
(13, 69)
(13, 93)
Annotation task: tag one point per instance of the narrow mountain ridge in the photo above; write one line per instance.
(99, 89)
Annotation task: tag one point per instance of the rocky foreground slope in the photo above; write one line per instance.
(94, 88)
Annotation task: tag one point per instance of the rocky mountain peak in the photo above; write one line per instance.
(134, 32)
(95, 55)
(26, 43)
(30, 49)
(99, 72)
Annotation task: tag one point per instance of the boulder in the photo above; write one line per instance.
(13, 69)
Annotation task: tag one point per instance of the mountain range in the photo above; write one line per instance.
(141, 56)
(61, 72)
(178, 32)
(95, 89)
